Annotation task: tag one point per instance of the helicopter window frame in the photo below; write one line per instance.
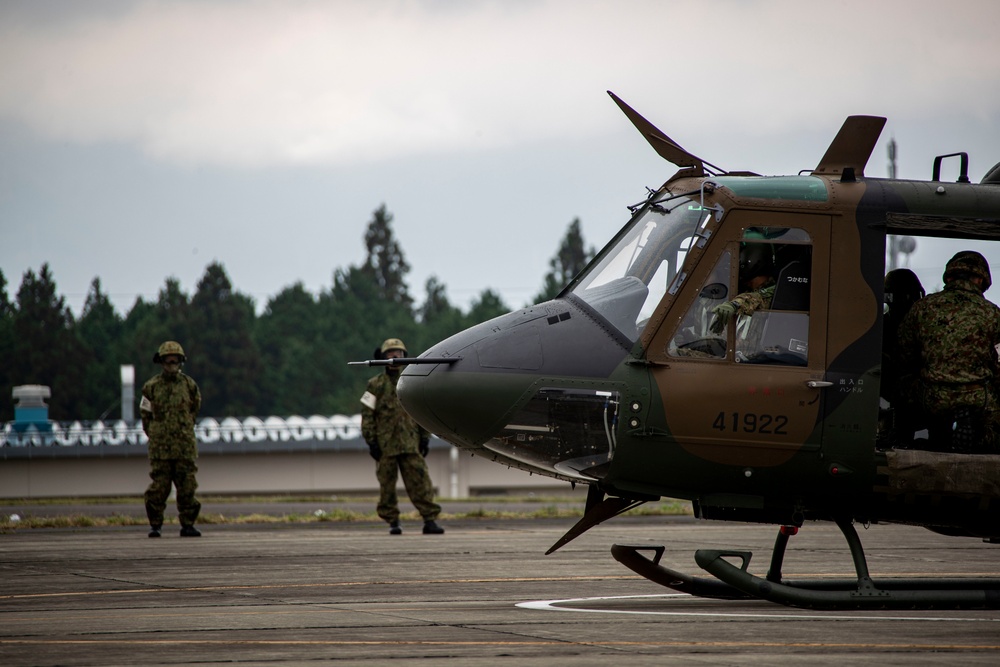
(627, 281)
(779, 336)
(691, 338)
(767, 335)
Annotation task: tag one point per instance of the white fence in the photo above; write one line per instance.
(316, 454)
(317, 428)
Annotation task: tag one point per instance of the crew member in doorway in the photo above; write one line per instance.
(947, 342)
(902, 289)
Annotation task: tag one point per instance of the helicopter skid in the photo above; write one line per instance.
(630, 557)
(733, 582)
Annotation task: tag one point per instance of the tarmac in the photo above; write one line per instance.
(481, 594)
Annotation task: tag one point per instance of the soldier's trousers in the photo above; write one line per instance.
(961, 418)
(181, 474)
(416, 479)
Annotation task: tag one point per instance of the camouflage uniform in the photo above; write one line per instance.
(744, 306)
(750, 302)
(947, 344)
(169, 405)
(398, 437)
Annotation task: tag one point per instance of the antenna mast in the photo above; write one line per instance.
(893, 241)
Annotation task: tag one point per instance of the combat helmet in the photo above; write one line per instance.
(903, 288)
(968, 262)
(392, 344)
(756, 259)
(169, 347)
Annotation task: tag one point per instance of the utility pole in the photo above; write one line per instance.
(893, 243)
(898, 245)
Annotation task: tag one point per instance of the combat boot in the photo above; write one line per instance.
(394, 528)
(190, 531)
(431, 528)
(154, 531)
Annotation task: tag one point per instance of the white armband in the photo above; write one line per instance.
(368, 400)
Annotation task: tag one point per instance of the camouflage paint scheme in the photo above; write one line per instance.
(558, 389)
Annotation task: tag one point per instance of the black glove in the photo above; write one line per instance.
(375, 450)
(425, 446)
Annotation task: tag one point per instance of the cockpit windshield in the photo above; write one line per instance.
(635, 270)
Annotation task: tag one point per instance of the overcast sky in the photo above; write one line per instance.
(141, 140)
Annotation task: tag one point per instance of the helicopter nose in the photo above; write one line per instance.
(531, 389)
(462, 402)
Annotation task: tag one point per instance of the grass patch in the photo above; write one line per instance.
(548, 508)
(280, 498)
(137, 500)
(663, 508)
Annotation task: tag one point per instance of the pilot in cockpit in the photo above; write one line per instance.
(756, 289)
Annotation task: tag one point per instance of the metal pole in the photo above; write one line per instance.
(128, 393)
(893, 244)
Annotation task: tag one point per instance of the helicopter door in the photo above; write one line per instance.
(735, 371)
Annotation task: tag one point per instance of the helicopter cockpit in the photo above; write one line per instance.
(646, 261)
(768, 293)
(631, 276)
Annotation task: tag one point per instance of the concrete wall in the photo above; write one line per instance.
(247, 455)
(455, 475)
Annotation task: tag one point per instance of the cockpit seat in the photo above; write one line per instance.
(785, 335)
(791, 292)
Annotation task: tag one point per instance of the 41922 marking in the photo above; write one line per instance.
(751, 422)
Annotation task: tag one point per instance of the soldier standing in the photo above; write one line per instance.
(169, 405)
(947, 343)
(398, 444)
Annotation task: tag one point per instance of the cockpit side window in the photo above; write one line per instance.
(760, 310)
(695, 337)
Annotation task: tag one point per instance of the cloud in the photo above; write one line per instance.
(313, 82)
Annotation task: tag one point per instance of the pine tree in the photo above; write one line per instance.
(6, 308)
(355, 319)
(147, 325)
(223, 357)
(99, 330)
(287, 337)
(439, 319)
(6, 351)
(487, 306)
(45, 350)
(571, 258)
(385, 262)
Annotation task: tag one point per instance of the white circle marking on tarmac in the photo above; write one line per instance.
(550, 605)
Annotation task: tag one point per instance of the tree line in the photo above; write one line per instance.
(290, 360)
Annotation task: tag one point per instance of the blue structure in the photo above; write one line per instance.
(31, 413)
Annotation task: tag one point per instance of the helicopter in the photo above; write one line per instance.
(626, 383)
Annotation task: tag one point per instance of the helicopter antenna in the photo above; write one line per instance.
(664, 146)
